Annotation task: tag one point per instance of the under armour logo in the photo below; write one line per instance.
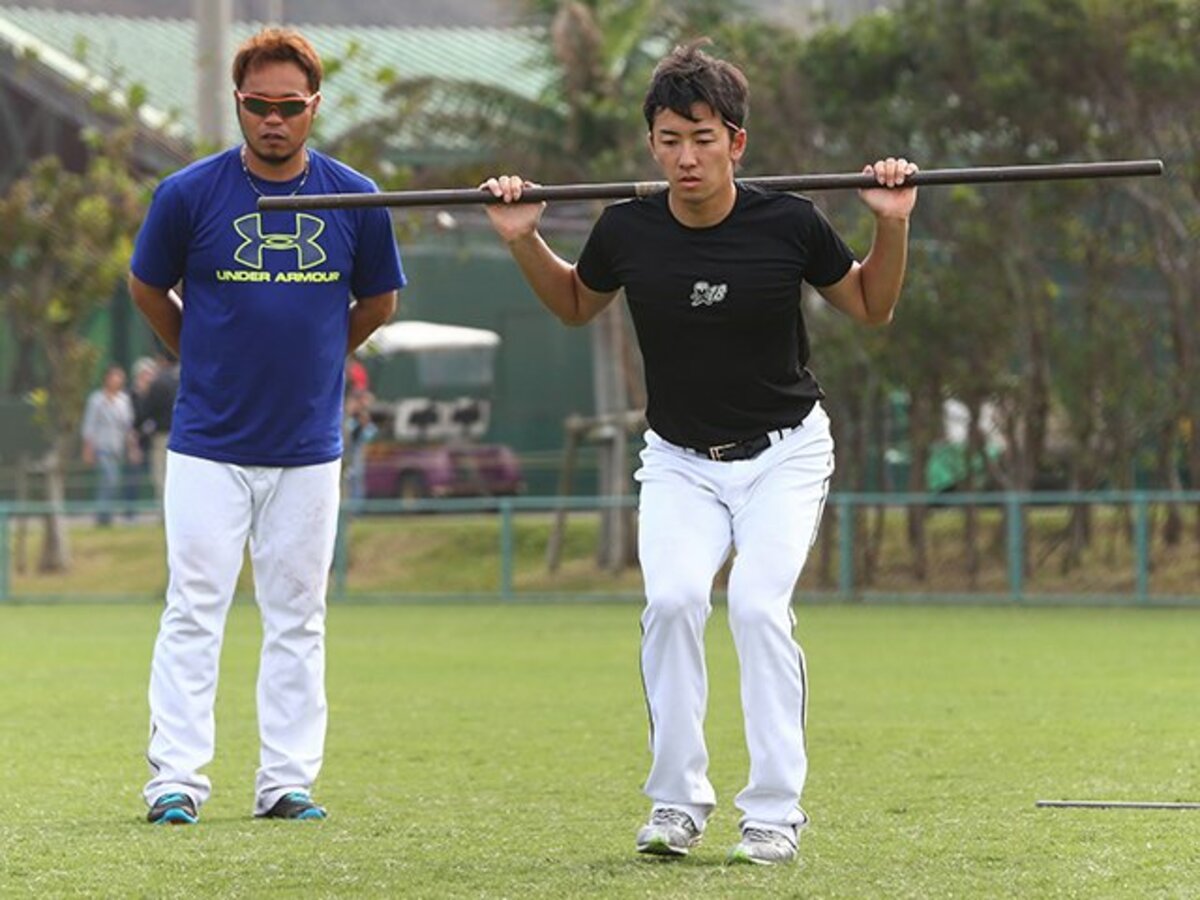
(303, 241)
(705, 294)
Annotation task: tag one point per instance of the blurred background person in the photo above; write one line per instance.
(357, 378)
(137, 472)
(159, 411)
(360, 431)
(107, 433)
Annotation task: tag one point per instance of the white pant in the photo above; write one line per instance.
(692, 512)
(289, 516)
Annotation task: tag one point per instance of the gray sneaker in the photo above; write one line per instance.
(763, 847)
(670, 832)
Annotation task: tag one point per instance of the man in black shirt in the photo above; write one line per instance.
(738, 455)
(159, 408)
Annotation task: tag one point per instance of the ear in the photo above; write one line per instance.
(650, 144)
(737, 144)
(316, 103)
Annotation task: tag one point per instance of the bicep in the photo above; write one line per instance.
(161, 308)
(590, 303)
(367, 314)
(846, 294)
(147, 295)
(379, 304)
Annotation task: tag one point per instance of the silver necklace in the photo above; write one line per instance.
(254, 187)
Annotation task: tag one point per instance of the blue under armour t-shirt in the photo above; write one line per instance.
(266, 305)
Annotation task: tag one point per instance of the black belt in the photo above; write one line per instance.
(747, 449)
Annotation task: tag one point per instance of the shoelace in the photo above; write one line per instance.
(673, 817)
(763, 836)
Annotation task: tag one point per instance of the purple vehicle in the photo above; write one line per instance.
(430, 445)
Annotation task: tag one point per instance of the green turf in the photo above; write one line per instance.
(490, 751)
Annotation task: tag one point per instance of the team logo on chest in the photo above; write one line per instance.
(705, 294)
(302, 242)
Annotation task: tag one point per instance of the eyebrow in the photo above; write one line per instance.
(704, 129)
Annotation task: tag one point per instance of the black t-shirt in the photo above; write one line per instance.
(159, 403)
(717, 309)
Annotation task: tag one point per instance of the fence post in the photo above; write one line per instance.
(341, 553)
(506, 549)
(1016, 546)
(5, 553)
(845, 545)
(1141, 539)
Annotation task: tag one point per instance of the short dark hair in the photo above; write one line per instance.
(688, 75)
(278, 45)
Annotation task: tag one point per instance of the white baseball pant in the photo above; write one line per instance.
(289, 516)
(692, 512)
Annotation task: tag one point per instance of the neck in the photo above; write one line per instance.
(702, 213)
(275, 169)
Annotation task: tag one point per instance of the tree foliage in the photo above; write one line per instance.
(1012, 276)
(68, 237)
(1069, 311)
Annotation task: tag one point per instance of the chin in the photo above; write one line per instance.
(275, 154)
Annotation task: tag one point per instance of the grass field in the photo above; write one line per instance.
(498, 751)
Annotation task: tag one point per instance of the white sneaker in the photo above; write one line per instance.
(670, 832)
(763, 847)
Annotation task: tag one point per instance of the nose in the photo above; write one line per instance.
(687, 155)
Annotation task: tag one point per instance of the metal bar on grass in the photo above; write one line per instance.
(797, 183)
(1116, 804)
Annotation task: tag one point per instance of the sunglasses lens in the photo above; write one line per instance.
(260, 106)
(289, 108)
(256, 106)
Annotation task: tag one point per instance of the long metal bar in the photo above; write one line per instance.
(1116, 804)
(796, 183)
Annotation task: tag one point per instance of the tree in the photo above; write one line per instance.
(68, 238)
(987, 316)
(1141, 91)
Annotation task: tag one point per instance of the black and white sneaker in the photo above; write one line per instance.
(295, 805)
(670, 832)
(173, 809)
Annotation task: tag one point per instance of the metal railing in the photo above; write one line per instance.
(1026, 540)
(1130, 516)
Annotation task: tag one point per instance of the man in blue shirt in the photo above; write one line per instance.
(271, 304)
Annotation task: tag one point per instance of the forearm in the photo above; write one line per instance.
(551, 277)
(883, 269)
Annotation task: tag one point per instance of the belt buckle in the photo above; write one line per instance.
(717, 453)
